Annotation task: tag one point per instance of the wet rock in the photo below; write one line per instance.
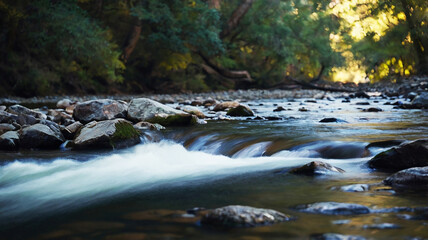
(346, 101)
(148, 126)
(242, 216)
(2, 108)
(64, 103)
(9, 141)
(385, 144)
(382, 226)
(331, 120)
(421, 100)
(225, 105)
(117, 133)
(279, 109)
(21, 110)
(361, 94)
(355, 188)
(197, 103)
(335, 236)
(362, 103)
(414, 154)
(302, 109)
(240, 111)
(41, 136)
(411, 95)
(99, 110)
(317, 168)
(373, 109)
(70, 131)
(195, 111)
(416, 177)
(334, 208)
(147, 110)
(273, 118)
(6, 127)
(209, 102)
(311, 101)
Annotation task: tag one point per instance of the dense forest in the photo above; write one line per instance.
(52, 47)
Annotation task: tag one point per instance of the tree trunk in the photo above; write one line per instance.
(418, 44)
(226, 73)
(319, 75)
(236, 17)
(132, 41)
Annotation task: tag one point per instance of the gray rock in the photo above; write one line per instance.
(194, 110)
(242, 216)
(64, 103)
(335, 236)
(141, 126)
(240, 111)
(6, 127)
(117, 133)
(355, 188)
(225, 105)
(99, 110)
(334, 208)
(9, 141)
(59, 117)
(421, 100)
(147, 110)
(317, 168)
(70, 131)
(6, 117)
(41, 136)
(414, 154)
(2, 108)
(21, 110)
(416, 177)
(332, 120)
(382, 226)
(373, 109)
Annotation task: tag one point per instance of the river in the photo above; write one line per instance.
(143, 192)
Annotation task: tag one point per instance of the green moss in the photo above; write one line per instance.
(124, 131)
(175, 120)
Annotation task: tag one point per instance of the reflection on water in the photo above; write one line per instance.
(143, 192)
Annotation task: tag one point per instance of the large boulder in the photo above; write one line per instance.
(9, 141)
(416, 177)
(414, 154)
(240, 111)
(21, 110)
(334, 208)
(99, 110)
(41, 136)
(117, 133)
(317, 168)
(147, 110)
(242, 216)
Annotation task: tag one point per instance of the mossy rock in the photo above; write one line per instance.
(117, 133)
(175, 120)
(240, 111)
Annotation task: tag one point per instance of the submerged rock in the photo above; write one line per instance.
(385, 144)
(317, 168)
(335, 236)
(225, 105)
(117, 133)
(416, 177)
(99, 110)
(414, 154)
(382, 226)
(355, 188)
(242, 216)
(334, 208)
(9, 141)
(373, 109)
(41, 136)
(240, 111)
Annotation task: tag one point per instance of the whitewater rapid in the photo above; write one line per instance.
(32, 187)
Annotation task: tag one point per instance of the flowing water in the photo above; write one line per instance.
(143, 192)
